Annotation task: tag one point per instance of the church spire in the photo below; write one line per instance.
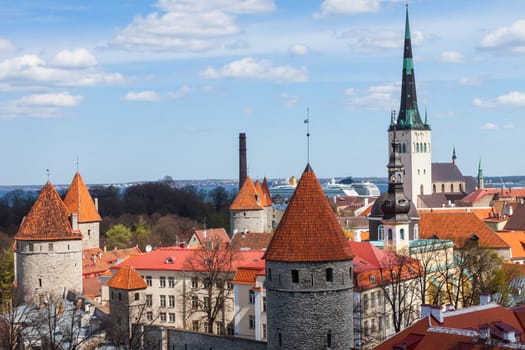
(409, 117)
(481, 184)
(454, 155)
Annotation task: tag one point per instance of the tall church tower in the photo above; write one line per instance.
(309, 275)
(412, 133)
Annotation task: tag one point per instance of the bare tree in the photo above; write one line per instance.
(211, 292)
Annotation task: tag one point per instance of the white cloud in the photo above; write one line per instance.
(288, 101)
(251, 68)
(507, 39)
(6, 46)
(142, 96)
(38, 105)
(489, 126)
(74, 58)
(512, 99)
(299, 50)
(62, 99)
(31, 70)
(378, 97)
(470, 81)
(187, 25)
(346, 7)
(366, 40)
(185, 90)
(233, 6)
(452, 57)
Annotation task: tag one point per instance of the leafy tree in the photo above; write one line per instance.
(142, 232)
(118, 236)
(6, 275)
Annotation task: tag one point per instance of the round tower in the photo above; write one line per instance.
(309, 275)
(48, 250)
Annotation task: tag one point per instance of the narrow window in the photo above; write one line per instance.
(269, 274)
(40, 282)
(252, 321)
(137, 296)
(148, 281)
(162, 282)
(389, 234)
(329, 338)
(381, 232)
(50, 247)
(252, 297)
(434, 188)
(402, 234)
(451, 187)
(30, 247)
(442, 187)
(280, 338)
(295, 276)
(329, 275)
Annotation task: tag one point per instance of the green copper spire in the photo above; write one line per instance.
(480, 175)
(409, 117)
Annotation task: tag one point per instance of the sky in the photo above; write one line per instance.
(138, 90)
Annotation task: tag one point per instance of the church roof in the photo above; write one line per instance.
(247, 198)
(78, 200)
(128, 279)
(266, 192)
(309, 230)
(446, 172)
(48, 219)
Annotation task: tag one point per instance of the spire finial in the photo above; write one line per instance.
(77, 162)
(307, 122)
(48, 172)
(454, 155)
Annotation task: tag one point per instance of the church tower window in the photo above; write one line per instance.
(381, 232)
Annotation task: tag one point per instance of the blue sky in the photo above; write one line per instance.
(139, 90)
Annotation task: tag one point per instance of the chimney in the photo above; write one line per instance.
(243, 166)
(74, 221)
(484, 299)
(425, 310)
(96, 203)
(437, 312)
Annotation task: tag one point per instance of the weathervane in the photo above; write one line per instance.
(307, 122)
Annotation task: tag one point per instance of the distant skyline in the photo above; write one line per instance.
(141, 90)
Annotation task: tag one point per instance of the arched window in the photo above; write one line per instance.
(417, 147)
(389, 234)
(416, 231)
(434, 188)
(425, 147)
(460, 187)
(442, 187)
(381, 233)
(402, 234)
(421, 188)
(451, 187)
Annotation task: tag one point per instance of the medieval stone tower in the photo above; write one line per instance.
(412, 133)
(79, 202)
(48, 251)
(309, 275)
(126, 303)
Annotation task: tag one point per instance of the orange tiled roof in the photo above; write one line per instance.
(458, 328)
(78, 200)
(266, 192)
(480, 212)
(309, 230)
(458, 227)
(95, 261)
(216, 235)
(127, 278)
(251, 240)
(48, 219)
(516, 240)
(247, 197)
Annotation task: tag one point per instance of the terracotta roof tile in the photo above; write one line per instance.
(266, 192)
(48, 219)
(95, 261)
(127, 278)
(480, 212)
(516, 240)
(458, 227)
(216, 235)
(78, 200)
(247, 198)
(309, 230)
(251, 240)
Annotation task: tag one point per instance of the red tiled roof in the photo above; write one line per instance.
(185, 259)
(251, 240)
(481, 212)
(91, 287)
(516, 241)
(78, 200)
(217, 235)
(458, 227)
(127, 278)
(247, 198)
(458, 328)
(48, 219)
(95, 261)
(266, 192)
(309, 230)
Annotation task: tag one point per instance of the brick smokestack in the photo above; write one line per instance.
(243, 167)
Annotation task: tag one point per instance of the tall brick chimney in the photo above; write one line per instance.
(243, 167)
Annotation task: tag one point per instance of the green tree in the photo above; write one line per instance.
(6, 275)
(118, 236)
(142, 232)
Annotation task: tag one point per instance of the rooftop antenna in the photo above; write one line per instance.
(48, 172)
(307, 122)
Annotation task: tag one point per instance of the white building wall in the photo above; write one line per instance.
(248, 220)
(90, 234)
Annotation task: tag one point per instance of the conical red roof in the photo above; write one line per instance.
(78, 200)
(48, 219)
(127, 278)
(266, 192)
(247, 198)
(309, 230)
